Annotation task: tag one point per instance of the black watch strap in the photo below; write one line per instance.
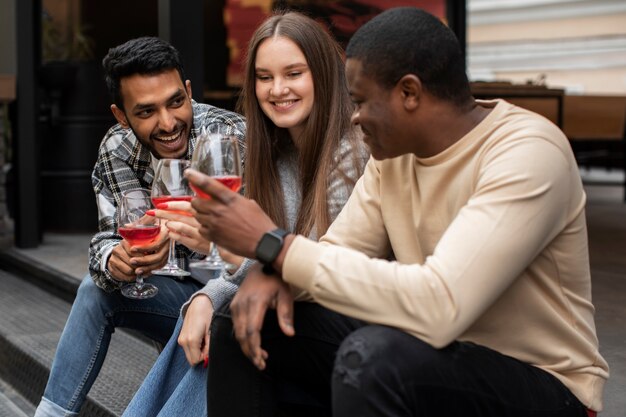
(268, 269)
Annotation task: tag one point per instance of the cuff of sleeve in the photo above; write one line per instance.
(183, 309)
(104, 260)
(237, 276)
(220, 296)
(112, 280)
(106, 253)
(219, 292)
(300, 262)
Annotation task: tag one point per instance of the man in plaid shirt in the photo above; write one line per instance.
(156, 119)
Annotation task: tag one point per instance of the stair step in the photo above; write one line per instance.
(12, 403)
(31, 321)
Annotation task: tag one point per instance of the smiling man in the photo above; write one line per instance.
(157, 118)
(463, 249)
(159, 112)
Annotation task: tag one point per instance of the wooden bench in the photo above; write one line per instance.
(594, 117)
(538, 98)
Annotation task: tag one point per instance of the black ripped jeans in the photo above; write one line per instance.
(377, 371)
(296, 381)
(382, 371)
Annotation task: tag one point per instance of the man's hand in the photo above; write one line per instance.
(258, 293)
(229, 219)
(194, 335)
(126, 262)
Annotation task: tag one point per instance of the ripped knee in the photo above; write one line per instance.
(352, 356)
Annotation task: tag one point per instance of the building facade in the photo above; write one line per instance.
(578, 45)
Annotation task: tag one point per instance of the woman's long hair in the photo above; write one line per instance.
(327, 124)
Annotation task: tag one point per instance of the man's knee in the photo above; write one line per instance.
(87, 286)
(221, 326)
(376, 352)
(89, 296)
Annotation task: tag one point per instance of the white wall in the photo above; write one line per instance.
(579, 45)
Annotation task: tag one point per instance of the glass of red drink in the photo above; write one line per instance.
(170, 184)
(138, 229)
(217, 155)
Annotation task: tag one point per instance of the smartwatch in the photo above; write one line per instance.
(269, 247)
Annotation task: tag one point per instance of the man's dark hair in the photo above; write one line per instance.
(407, 40)
(146, 55)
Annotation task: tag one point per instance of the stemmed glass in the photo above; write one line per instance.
(138, 229)
(170, 184)
(217, 155)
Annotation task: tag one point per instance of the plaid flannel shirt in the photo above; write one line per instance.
(123, 164)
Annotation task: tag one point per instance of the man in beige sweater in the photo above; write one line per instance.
(463, 247)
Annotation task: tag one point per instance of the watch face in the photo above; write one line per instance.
(268, 248)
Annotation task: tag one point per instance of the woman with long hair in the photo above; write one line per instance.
(302, 160)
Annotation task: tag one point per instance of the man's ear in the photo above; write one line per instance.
(188, 88)
(120, 116)
(411, 89)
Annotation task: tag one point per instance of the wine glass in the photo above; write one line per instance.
(138, 229)
(217, 155)
(170, 184)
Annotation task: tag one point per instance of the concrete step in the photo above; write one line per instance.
(41, 272)
(31, 321)
(12, 403)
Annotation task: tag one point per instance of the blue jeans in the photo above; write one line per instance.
(172, 387)
(85, 339)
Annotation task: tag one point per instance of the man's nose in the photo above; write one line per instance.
(167, 121)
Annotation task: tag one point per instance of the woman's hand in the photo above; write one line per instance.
(194, 336)
(182, 226)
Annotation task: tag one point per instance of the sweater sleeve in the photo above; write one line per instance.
(519, 204)
(106, 171)
(222, 289)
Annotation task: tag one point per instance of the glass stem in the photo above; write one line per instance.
(215, 253)
(171, 258)
(139, 282)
